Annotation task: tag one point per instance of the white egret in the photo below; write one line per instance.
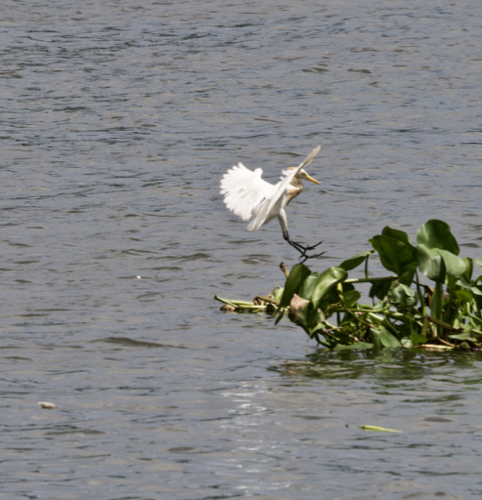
(249, 196)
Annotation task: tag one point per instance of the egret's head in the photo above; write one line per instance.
(302, 174)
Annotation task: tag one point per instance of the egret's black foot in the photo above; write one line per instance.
(308, 248)
(304, 256)
(304, 249)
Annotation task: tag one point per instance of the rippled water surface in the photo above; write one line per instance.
(117, 120)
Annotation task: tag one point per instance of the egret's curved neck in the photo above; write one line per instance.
(296, 183)
(294, 189)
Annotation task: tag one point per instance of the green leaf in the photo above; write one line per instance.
(351, 297)
(435, 263)
(397, 235)
(379, 289)
(463, 336)
(403, 295)
(298, 274)
(326, 281)
(406, 276)
(417, 338)
(355, 261)
(395, 250)
(431, 263)
(386, 338)
(306, 289)
(464, 295)
(437, 234)
(455, 266)
(469, 268)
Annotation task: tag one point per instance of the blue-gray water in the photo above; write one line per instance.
(117, 120)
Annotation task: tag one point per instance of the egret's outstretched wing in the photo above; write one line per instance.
(244, 190)
(271, 207)
(309, 158)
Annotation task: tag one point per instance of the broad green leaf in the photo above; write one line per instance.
(395, 253)
(326, 281)
(431, 263)
(435, 263)
(469, 268)
(478, 262)
(417, 338)
(463, 336)
(466, 287)
(386, 338)
(379, 289)
(306, 289)
(351, 297)
(397, 235)
(355, 261)
(437, 234)
(454, 266)
(403, 295)
(389, 340)
(467, 327)
(464, 295)
(463, 283)
(298, 274)
(406, 276)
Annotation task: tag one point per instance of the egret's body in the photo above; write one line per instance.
(249, 196)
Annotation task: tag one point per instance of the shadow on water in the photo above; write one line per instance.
(387, 366)
(127, 342)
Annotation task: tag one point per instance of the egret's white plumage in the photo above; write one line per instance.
(249, 196)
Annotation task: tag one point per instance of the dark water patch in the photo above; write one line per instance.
(127, 342)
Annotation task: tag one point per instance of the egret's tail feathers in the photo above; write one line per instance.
(263, 214)
(254, 225)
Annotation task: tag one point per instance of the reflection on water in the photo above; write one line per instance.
(118, 120)
(387, 366)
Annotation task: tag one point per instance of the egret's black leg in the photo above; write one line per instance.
(303, 249)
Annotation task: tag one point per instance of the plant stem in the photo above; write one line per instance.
(420, 295)
(437, 304)
(371, 280)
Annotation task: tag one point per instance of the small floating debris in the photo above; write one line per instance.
(379, 429)
(47, 406)
(436, 347)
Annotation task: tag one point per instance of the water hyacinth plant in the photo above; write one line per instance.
(430, 299)
(443, 312)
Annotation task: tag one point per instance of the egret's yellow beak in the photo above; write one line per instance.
(309, 178)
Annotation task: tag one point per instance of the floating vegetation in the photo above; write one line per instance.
(443, 314)
(265, 304)
(378, 429)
